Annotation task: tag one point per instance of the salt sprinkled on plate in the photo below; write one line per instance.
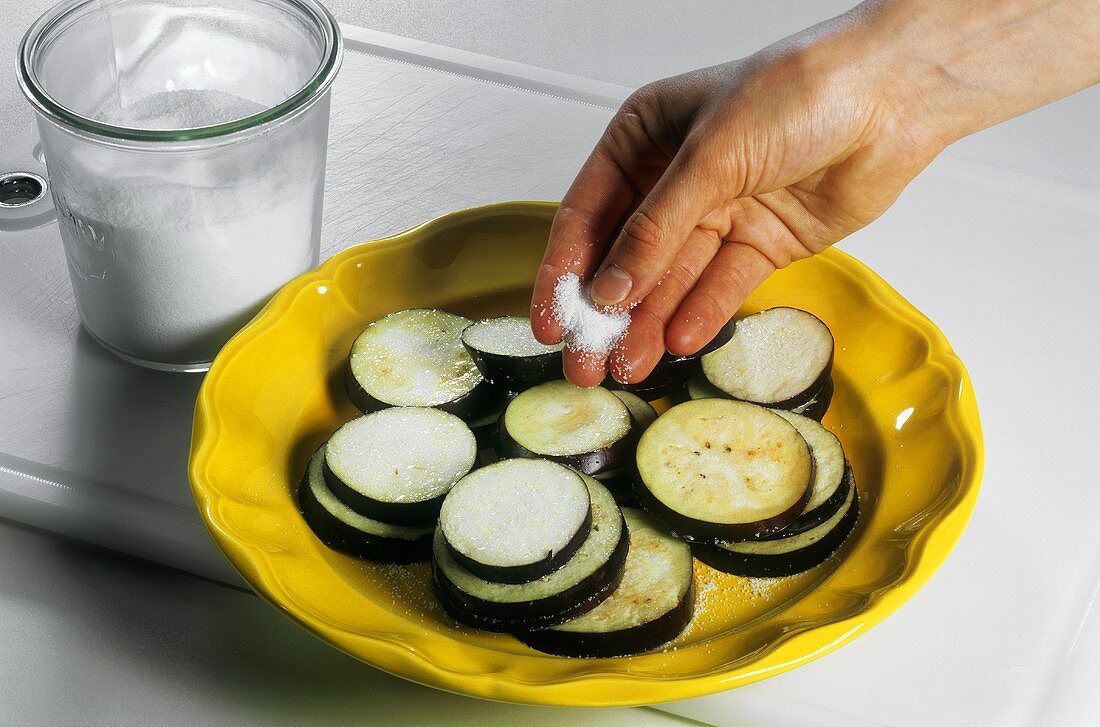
(587, 328)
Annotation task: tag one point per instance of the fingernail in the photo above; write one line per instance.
(611, 286)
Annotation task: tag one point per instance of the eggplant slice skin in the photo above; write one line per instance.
(396, 465)
(785, 556)
(621, 484)
(578, 586)
(812, 518)
(651, 606)
(780, 357)
(698, 387)
(415, 357)
(667, 376)
(507, 354)
(516, 520)
(671, 372)
(818, 404)
(722, 470)
(485, 426)
(590, 430)
(341, 528)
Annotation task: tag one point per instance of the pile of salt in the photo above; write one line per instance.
(587, 328)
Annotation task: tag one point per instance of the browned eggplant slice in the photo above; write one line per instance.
(718, 469)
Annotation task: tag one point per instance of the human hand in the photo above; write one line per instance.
(722, 176)
(704, 184)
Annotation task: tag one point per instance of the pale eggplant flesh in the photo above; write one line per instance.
(516, 520)
(557, 410)
(396, 465)
(512, 365)
(415, 357)
(342, 529)
(781, 358)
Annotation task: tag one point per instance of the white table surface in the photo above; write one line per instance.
(93, 638)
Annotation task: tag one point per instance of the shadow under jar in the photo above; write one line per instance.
(185, 144)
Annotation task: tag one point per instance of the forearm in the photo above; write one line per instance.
(971, 64)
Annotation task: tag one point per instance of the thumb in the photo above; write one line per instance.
(653, 235)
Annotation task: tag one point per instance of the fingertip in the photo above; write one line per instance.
(611, 286)
(688, 332)
(544, 326)
(583, 368)
(634, 359)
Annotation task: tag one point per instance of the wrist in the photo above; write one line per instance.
(957, 68)
(870, 54)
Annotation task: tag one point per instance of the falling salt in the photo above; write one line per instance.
(587, 328)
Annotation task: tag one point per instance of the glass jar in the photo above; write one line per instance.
(185, 144)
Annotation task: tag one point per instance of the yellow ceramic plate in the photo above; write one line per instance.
(904, 410)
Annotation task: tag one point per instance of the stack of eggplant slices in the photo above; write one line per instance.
(569, 517)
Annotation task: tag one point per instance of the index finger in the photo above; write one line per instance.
(585, 222)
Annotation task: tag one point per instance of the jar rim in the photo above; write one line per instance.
(45, 104)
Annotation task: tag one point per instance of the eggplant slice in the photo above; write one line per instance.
(621, 484)
(589, 430)
(831, 473)
(341, 528)
(641, 411)
(786, 556)
(667, 376)
(516, 520)
(577, 587)
(780, 358)
(484, 427)
(816, 406)
(416, 358)
(651, 606)
(397, 464)
(507, 353)
(698, 387)
(671, 372)
(718, 469)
